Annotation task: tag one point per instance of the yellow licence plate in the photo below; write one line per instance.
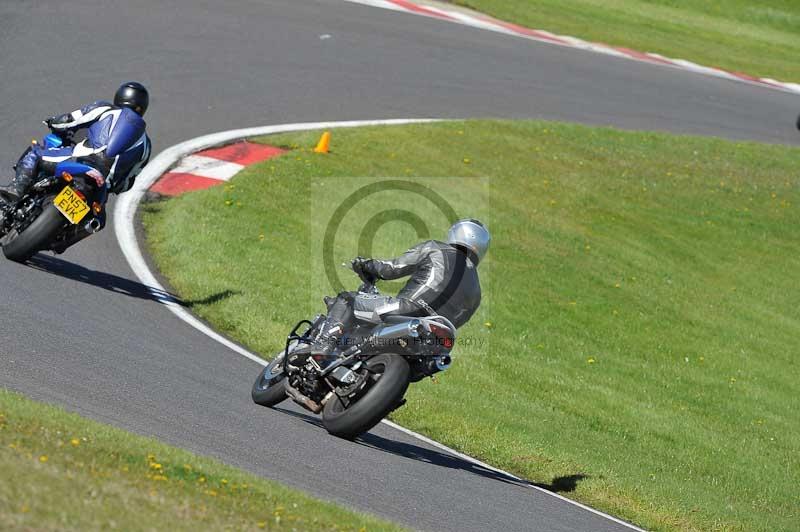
(71, 205)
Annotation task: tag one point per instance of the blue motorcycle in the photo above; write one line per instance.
(58, 210)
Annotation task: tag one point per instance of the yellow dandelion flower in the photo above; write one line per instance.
(43, 458)
(488, 325)
(590, 360)
(75, 442)
(466, 160)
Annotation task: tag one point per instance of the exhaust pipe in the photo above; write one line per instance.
(438, 363)
(443, 362)
(401, 330)
(298, 397)
(92, 226)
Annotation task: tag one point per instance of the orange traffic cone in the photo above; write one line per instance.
(324, 143)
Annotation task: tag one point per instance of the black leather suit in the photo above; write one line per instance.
(443, 281)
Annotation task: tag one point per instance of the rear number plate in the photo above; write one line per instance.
(71, 205)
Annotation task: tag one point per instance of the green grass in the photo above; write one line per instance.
(639, 326)
(759, 38)
(60, 471)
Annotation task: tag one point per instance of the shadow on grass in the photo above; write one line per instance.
(117, 284)
(411, 451)
(564, 484)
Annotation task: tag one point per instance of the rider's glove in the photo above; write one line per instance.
(54, 120)
(358, 264)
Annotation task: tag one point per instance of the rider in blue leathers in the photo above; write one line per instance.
(116, 143)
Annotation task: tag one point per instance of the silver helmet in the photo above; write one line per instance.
(471, 235)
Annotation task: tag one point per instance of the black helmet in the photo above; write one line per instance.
(132, 95)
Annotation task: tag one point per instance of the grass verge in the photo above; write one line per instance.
(63, 472)
(637, 342)
(759, 38)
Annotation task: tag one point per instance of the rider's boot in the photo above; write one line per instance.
(9, 194)
(12, 192)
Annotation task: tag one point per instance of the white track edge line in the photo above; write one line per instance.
(434, 443)
(125, 231)
(485, 23)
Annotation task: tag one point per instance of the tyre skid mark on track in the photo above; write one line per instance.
(125, 231)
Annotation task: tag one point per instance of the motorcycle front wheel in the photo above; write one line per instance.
(387, 384)
(268, 390)
(20, 247)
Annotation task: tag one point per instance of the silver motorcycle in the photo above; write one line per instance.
(375, 364)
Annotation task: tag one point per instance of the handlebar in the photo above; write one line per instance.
(65, 134)
(367, 281)
(367, 284)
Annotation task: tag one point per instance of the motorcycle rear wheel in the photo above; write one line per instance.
(385, 394)
(20, 247)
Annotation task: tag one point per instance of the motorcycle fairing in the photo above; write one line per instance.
(73, 168)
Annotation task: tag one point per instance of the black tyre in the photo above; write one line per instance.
(389, 376)
(268, 389)
(36, 237)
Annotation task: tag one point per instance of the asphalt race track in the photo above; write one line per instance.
(80, 331)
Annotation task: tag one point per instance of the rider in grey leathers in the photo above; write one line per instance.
(444, 281)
